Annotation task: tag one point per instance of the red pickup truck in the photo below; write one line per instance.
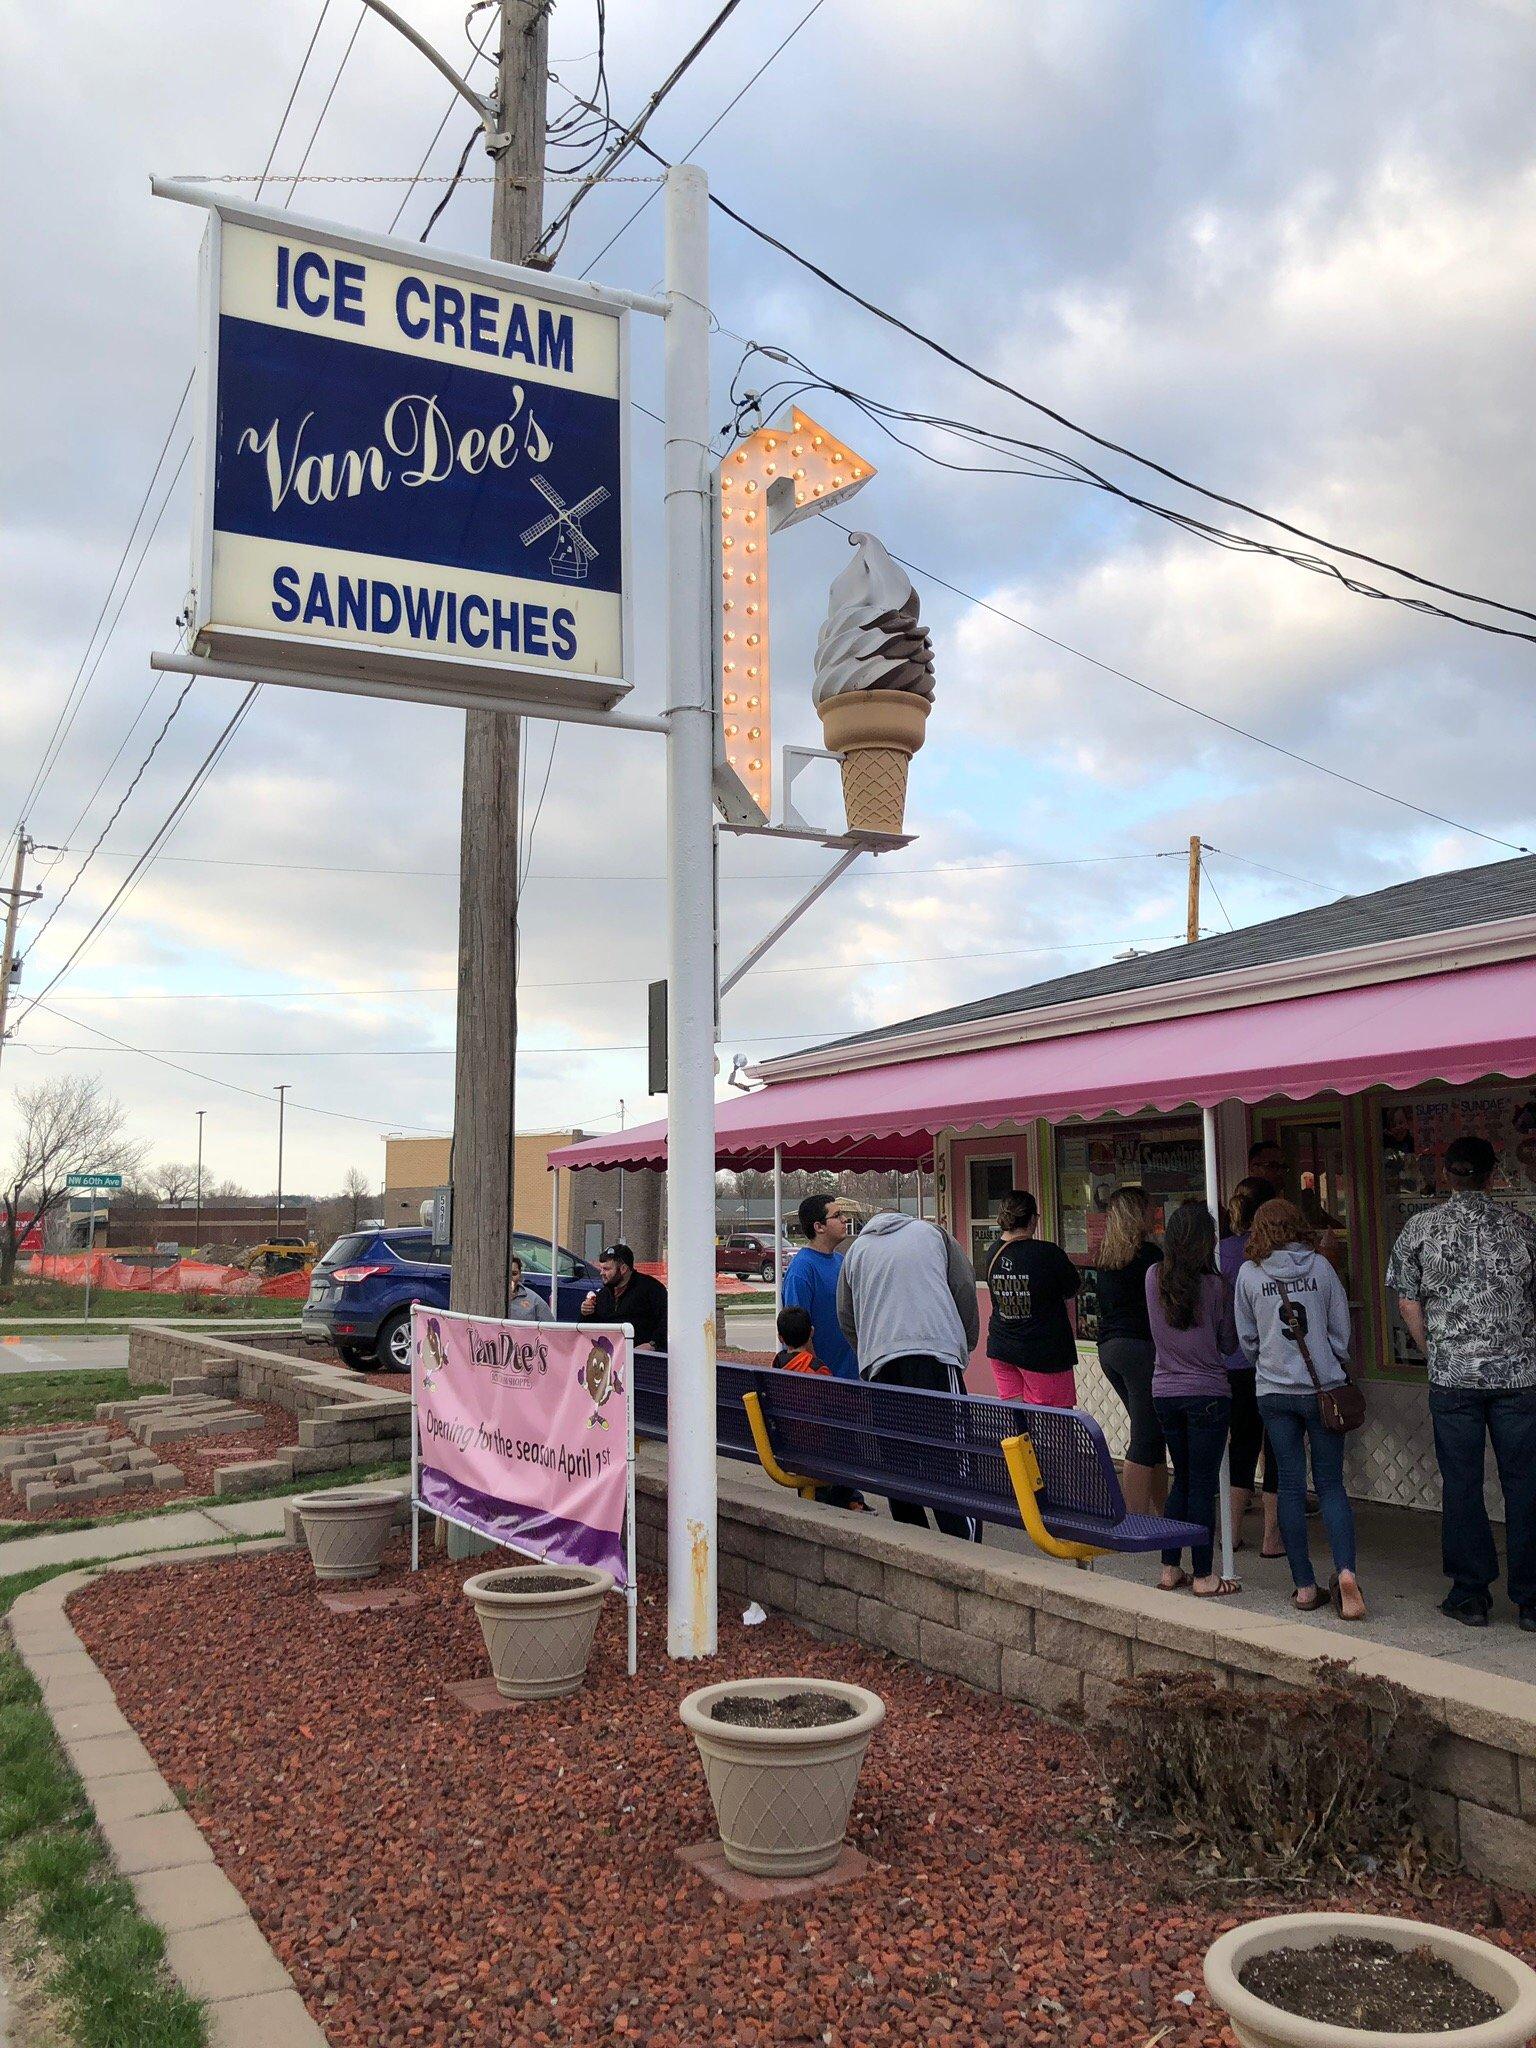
(751, 1258)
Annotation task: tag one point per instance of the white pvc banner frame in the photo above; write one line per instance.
(631, 1592)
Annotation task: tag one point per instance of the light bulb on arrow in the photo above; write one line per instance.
(777, 475)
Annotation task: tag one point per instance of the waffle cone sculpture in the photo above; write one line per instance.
(874, 685)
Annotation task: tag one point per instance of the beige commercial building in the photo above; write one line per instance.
(590, 1203)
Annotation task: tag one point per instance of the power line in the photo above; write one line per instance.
(297, 995)
(128, 792)
(148, 854)
(1115, 447)
(1198, 711)
(70, 708)
(630, 136)
(699, 140)
(298, 79)
(1205, 870)
(261, 1095)
(882, 873)
(298, 176)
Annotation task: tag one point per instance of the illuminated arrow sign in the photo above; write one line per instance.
(777, 475)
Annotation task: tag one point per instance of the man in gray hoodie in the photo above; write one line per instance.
(906, 1302)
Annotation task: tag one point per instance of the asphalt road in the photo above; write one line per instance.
(62, 1354)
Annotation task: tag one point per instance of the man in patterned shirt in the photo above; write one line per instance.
(1465, 1277)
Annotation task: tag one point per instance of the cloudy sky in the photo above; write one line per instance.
(1288, 250)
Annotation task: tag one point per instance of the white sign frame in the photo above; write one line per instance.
(365, 668)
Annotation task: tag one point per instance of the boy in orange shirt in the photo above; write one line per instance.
(795, 1355)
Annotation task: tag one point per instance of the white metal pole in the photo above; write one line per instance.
(415, 1460)
(632, 1590)
(1224, 1481)
(554, 1247)
(692, 1619)
(778, 1229)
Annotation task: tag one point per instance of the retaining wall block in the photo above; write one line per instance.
(863, 1575)
(951, 1650)
(1008, 1622)
(1053, 1688)
(888, 1628)
(1497, 1845)
(920, 1595)
(834, 1607)
(1083, 1647)
(1474, 1771)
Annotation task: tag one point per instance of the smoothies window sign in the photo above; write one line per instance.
(1165, 1159)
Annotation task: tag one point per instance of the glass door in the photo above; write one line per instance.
(990, 1183)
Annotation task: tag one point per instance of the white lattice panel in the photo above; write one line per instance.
(1392, 1459)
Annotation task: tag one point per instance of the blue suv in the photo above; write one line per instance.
(360, 1293)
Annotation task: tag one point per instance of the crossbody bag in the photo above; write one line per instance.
(1340, 1409)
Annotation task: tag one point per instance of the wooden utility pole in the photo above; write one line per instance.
(1192, 922)
(484, 1095)
(13, 902)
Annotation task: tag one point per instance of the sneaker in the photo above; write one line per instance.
(1471, 1614)
(1528, 1619)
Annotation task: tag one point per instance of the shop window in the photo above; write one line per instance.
(1165, 1157)
(990, 1183)
(1415, 1131)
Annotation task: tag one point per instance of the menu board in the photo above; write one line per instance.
(1414, 1134)
(1164, 1157)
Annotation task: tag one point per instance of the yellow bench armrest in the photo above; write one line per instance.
(806, 1488)
(1024, 1471)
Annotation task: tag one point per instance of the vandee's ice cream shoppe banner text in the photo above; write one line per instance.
(523, 1433)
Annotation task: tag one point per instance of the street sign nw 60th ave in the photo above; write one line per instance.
(93, 1180)
(414, 470)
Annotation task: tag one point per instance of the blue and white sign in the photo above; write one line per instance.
(414, 471)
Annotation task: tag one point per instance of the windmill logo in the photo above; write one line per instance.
(573, 552)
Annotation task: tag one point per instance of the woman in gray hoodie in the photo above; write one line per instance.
(1291, 1306)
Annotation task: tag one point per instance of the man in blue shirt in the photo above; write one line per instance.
(810, 1282)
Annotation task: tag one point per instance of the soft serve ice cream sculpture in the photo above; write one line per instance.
(874, 684)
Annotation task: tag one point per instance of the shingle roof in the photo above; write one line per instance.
(1435, 903)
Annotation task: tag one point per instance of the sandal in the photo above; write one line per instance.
(1336, 1597)
(1307, 1606)
(1273, 1554)
(1222, 1590)
(1180, 1580)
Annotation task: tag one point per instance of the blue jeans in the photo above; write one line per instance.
(1293, 1423)
(1195, 1426)
(1463, 1416)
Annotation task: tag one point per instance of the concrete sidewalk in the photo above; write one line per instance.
(246, 1520)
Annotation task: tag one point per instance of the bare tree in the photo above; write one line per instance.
(357, 1189)
(172, 1181)
(66, 1126)
(224, 1191)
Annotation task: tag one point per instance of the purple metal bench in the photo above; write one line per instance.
(1049, 1468)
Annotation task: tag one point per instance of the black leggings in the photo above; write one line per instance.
(1248, 1433)
(1127, 1362)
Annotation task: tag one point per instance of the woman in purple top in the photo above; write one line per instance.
(1248, 1431)
(1189, 1306)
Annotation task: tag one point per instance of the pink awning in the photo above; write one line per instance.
(1456, 1027)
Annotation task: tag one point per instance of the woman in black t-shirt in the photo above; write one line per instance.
(1126, 1354)
(1030, 1345)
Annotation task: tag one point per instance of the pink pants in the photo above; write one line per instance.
(1038, 1389)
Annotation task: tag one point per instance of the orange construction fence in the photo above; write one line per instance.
(175, 1276)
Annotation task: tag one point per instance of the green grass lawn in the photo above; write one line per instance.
(29, 1299)
(72, 1924)
(38, 1400)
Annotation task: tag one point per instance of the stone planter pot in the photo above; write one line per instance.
(1257, 2024)
(346, 1530)
(538, 1628)
(781, 1795)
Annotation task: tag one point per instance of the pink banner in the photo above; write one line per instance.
(523, 1432)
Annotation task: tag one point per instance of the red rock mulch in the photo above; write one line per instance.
(434, 1878)
(196, 1457)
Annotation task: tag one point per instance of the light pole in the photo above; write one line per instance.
(622, 1238)
(199, 1227)
(282, 1092)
